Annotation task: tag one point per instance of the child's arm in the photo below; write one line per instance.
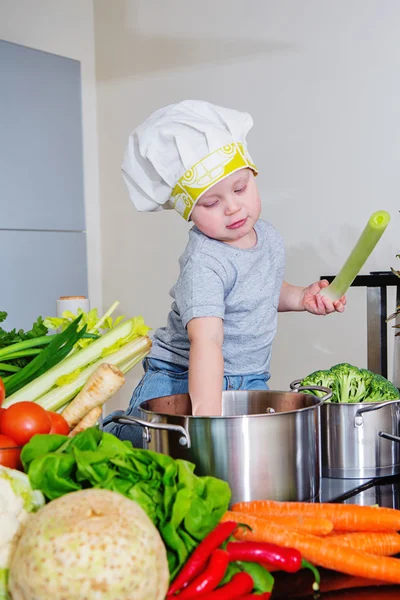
(294, 298)
(206, 365)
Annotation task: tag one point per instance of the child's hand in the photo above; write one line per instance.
(316, 304)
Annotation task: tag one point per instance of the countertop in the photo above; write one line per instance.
(298, 586)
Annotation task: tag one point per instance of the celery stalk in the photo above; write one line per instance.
(105, 316)
(132, 362)
(371, 235)
(78, 360)
(125, 358)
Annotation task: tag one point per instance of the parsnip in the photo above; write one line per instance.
(101, 385)
(88, 420)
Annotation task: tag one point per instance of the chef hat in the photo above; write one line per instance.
(181, 151)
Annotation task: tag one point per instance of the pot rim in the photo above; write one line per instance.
(360, 404)
(275, 414)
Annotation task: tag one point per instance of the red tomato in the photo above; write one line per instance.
(2, 391)
(9, 452)
(58, 423)
(2, 410)
(23, 420)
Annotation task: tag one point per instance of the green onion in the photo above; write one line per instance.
(22, 346)
(371, 235)
(22, 354)
(9, 368)
(59, 347)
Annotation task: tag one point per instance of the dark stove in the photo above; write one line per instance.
(383, 491)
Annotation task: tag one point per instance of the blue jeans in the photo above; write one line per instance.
(165, 379)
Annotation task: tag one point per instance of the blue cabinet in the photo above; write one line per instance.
(38, 267)
(42, 217)
(41, 175)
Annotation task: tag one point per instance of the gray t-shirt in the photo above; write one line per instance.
(241, 287)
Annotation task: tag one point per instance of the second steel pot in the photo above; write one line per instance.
(266, 444)
(352, 446)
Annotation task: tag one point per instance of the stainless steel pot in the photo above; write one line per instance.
(353, 442)
(266, 444)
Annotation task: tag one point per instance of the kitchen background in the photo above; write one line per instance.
(320, 78)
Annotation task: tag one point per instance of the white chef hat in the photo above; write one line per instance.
(181, 151)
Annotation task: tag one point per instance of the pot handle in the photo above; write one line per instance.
(389, 436)
(296, 387)
(184, 440)
(358, 419)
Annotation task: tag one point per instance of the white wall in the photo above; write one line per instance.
(67, 29)
(320, 78)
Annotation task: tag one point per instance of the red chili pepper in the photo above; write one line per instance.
(201, 554)
(208, 580)
(287, 559)
(240, 585)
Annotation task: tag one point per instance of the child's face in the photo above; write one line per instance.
(228, 211)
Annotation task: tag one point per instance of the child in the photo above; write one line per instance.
(192, 156)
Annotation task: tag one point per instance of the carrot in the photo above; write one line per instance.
(317, 550)
(88, 421)
(101, 385)
(345, 517)
(318, 526)
(377, 543)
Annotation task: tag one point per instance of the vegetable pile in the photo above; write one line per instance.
(351, 384)
(361, 542)
(22, 420)
(183, 506)
(67, 359)
(72, 372)
(91, 544)
(222, 569)
(17, 500)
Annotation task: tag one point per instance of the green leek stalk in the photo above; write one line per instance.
(371, 235)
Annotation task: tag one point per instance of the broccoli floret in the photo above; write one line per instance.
(321, 378)
(381, 389)
(350, 383)
(367, 376)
